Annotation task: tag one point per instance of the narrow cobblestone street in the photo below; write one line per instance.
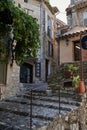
(15, 111)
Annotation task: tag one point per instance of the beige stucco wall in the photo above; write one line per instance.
(66, 51)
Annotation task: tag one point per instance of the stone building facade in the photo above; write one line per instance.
(77, 25)
(77, 13)
(37, 69)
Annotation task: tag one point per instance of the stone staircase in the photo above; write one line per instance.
(15, 111)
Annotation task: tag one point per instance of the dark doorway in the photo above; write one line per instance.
(76, 50)
(3, 72)
(46, 66)
(26, 73)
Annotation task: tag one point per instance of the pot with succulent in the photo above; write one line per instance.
(69, 70)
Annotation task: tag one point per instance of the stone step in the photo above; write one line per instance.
(20, 122)
(51, 105)
(24, 110)
(5, 126)
(55, 98)
(37, 87)
(37, 100)
(15, 111)
(19, 108)
(24, 99)
(65, 92)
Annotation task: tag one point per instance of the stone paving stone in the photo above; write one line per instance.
(15, 111)
(22, 122)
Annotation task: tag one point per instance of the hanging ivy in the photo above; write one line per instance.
(24, 28)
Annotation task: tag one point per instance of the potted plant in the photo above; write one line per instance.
(76, 82)
(69, 70)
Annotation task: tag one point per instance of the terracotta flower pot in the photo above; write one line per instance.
(68, 73)
(81, 87)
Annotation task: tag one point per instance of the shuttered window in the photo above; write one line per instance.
(85, 18)
(85, 22)
(50, 49)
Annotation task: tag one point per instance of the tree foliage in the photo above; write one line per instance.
(24, 28)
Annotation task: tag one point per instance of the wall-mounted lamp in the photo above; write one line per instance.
(77, 47)
(67, 42)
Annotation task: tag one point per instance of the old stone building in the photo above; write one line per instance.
(70, 41)
(37, 69)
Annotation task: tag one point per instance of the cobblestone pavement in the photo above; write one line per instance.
(15, 112)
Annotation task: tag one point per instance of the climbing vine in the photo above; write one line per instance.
(23, 27)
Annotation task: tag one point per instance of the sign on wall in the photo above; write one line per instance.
(37, 69)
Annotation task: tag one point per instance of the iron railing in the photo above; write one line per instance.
(58, 94)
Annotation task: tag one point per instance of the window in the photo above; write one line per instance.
(26, 1)
(50, 49)
(49, 27)
(49, 32)
(85, 18)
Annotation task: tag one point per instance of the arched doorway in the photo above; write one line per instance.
(26, 73)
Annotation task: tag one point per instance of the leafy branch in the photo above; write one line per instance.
(25, 30)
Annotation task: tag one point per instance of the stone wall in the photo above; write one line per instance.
(74, 120)
(12, 81)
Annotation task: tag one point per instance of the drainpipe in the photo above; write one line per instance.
(58, 51)
(41, 58)
(58, 43)
(41, 47)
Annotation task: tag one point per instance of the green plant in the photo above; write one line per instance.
(25, 30)
(70, 67)
(75, 80)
